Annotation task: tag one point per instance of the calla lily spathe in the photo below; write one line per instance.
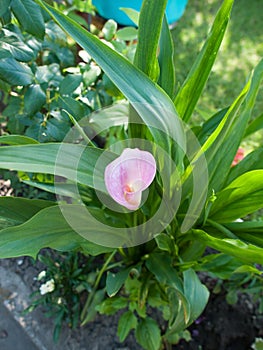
(128, 175)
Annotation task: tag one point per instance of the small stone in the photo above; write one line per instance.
(20, 262)
(3, 334)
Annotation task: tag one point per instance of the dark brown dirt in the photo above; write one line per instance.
(225, 327)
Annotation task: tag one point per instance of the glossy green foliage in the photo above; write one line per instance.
(67, 160)
(141, 91)
(45, 98)
(189, 93)
(53, 231)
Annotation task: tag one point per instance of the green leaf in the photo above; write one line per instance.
(254, 126)
(92, 309)
(4, 7)
(160, 265)
(91, 75)
(115, 115)
(69, 84)
(74, 162)
(115, 281)
(16, 140)
(49, 74)
(15, 73)
(215, 140)
(242, 197)
(48, 131)
(14, 211)
(196, 293)
(150, 24)
(179, 312)
(16, 124)
(48, 228)
(220, 265)
(109, 29)
(112, 305)
(132, 14)
(153, 105)
(188, 95)
(258, 344)
(210, 125)
(229, 142)
(176, 337)
(248, 231)
(248, 268)
(166, 60)
(165, 242)
(220, 142)
(29, 16)
(61, 189)
(34, 99)
(4, 54)
(13, 107)
(16, 47)
(246, 226)
(205, 162)
(148, 334)
(252, 161)
(127, 33)
(74, 107)
(247, 253)
(127, 322)
(192, 251)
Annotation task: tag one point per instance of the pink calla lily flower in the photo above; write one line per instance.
(128, 175)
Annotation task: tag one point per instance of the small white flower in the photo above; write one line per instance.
(47, 287)
(239, 220)
(41, 275)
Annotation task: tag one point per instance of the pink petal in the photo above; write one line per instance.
(239, 156)
(128, 175)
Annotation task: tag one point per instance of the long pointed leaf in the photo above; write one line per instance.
(189, 93)
(252, 161)
(14, 211)
(254, 126)
(165, 58)
(229, 145)
(233, 247)
(48, 228)
(154, 107)
(212, 152)
(17, 140)
(203, 164)
(248, 231)
(150, 24)
(72, 161)
(242, 197)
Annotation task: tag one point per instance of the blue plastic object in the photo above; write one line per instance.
(111, 9)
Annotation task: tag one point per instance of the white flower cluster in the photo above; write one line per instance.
(47, 287)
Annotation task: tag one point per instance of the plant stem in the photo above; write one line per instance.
(96, 284)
